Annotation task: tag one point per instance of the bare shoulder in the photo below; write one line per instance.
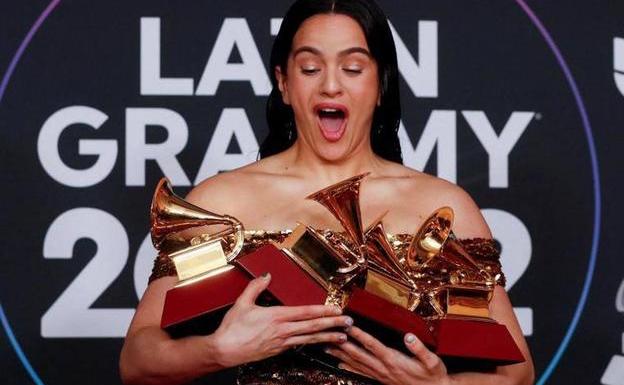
(468, 223)
(238, 192)
(426, 193)
(223, 192)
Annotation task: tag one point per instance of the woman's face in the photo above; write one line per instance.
(332, 85)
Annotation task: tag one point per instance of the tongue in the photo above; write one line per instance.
(331, 124)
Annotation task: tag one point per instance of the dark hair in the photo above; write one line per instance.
(280, 117)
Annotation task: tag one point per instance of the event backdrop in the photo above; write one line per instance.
(519, 102)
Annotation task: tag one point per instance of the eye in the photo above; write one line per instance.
(309, 70)
(352, 70)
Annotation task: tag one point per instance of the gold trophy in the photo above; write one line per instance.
(208, 284)
(331, 262)
(194, 256)
(386, 277)
(465, 289)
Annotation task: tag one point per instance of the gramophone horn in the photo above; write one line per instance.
(171, 214)
(431, 237)
(342, 200)
(435, 239)
(381, 253)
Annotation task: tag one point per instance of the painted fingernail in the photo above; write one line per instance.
(410, 338)
(348, 321)
(266, 276)
(342, 338)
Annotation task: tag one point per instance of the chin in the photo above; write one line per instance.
(333, 152)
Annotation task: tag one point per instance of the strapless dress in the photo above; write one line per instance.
(291, 368)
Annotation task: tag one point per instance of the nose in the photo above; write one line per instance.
(331, 85)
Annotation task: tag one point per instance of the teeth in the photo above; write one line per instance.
(329, 110)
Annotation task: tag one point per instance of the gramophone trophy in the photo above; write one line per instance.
(208, 285)
(442, 283)
(211, 273)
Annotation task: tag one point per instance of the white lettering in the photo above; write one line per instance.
(48, 151)
(276, 24)
(618, 63)
(138, 150)
(234, 32)
(498, 147)
(71, 314)
(233, 124)
(421, 76)
(440, 132)
(614, 374)
(151, 81)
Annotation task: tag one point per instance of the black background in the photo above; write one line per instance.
(491, 57)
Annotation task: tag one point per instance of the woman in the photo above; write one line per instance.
(333, 113)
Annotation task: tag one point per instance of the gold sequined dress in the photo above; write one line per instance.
(291, 368)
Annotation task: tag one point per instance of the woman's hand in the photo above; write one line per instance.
(390, 366)
(250, 332)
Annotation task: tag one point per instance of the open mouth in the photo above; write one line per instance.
(332, 121)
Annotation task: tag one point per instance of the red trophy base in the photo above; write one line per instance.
(478, 340)
(198, 308)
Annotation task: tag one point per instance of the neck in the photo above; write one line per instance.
(307, 164)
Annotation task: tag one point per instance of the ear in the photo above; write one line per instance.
(282, 84)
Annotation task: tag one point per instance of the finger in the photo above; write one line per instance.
(364, 358)
(371, 343)
(341, 355)
(253, 289)
(352, 369)
(428, 359)
(348, 363)
(316, 338)
(300, 313)
(316, 325)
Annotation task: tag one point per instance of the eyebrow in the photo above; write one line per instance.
(345, 52)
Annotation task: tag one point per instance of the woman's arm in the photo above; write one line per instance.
(150, 356)
(247, 333)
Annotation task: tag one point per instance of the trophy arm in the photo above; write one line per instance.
(453, 252)
(239, 230)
